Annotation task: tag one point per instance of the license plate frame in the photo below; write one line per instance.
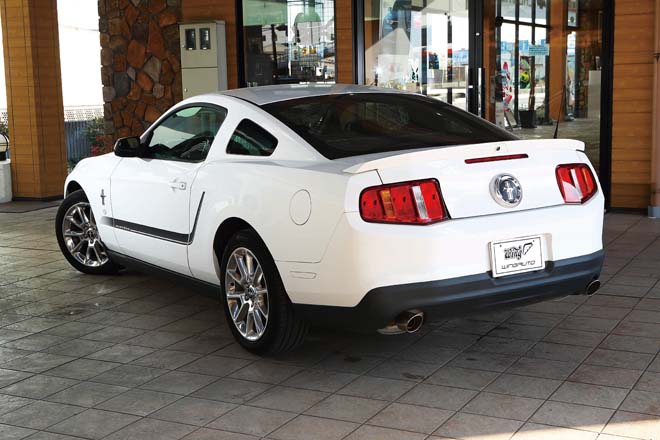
(516, 256)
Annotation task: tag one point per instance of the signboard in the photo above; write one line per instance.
(263, 13)
(539, 50)
(461, 57)
(506, 46)
(523, 47)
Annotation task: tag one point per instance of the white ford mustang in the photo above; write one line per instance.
(338, 204)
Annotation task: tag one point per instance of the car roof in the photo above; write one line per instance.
(268, 94)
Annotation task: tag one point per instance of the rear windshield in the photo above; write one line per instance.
(364, 123)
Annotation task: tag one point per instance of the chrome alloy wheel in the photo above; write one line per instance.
(81, 236)
(247, 294)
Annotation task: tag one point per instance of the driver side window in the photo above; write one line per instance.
(186, 135)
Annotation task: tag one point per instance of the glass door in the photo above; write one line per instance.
(424, 46)
(567, 104)
(522, 56)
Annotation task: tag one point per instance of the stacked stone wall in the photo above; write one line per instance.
(141, 62)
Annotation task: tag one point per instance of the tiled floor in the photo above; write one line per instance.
(131, 357)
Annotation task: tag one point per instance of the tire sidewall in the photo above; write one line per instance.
(276, 296)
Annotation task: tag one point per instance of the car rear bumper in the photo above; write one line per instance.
(462, 295)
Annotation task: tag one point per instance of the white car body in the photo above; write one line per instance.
(305, 207)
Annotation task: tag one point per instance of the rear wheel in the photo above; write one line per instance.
(78, 237)
(258, 309)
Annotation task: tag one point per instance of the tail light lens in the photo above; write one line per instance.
(576, 182)
(417, 203)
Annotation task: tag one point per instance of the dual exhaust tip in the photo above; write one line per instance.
(409, 321)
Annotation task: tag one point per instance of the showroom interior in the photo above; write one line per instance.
(582, 69)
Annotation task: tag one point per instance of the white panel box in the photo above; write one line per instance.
(203, 57)
(5, 182)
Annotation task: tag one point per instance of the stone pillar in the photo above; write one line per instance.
(141, 63)
(34, 98)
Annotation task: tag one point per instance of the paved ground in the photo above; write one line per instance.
(130, 357)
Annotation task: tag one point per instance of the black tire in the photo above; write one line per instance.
(284, 331)
(72, 199)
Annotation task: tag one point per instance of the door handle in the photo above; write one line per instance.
(178, 185)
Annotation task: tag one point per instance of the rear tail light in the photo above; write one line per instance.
(418, 203)
(576, 182)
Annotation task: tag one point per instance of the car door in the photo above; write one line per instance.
(150, 194)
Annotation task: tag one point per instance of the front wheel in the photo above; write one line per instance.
(78, 237)
(257, 306)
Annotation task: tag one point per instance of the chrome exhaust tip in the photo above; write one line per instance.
(407, 322)
(410, 321)
(592, 287)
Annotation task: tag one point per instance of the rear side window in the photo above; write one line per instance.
(249, 139)
(364, 123)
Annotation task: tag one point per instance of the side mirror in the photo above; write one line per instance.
(128, 147)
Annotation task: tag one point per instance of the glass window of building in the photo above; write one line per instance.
(522, 59)
(420, 46)
(289, 41)
(530, 100)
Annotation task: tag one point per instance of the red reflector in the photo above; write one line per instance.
(576, 182)
(496, 158)
(418, 202)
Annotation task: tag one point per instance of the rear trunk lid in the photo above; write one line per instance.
(467, 187)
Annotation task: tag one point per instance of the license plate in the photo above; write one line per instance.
(516, 256)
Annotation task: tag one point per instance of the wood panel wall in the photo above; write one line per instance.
(632, 102)
(557, 38)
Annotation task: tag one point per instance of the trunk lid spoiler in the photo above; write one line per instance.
(423, 156)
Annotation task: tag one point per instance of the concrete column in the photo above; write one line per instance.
(34, 98)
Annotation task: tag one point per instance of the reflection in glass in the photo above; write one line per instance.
(289, 41)
(541, 12)
(525, 10)
(541, 68)
(205, 38)
(418, 46)
(191, 43)
(522, 75)
(507, 73)
(526, 70)
(507, 9)
(526, 91)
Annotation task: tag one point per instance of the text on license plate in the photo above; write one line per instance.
(516, 256)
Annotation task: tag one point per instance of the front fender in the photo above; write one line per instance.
(92, 175)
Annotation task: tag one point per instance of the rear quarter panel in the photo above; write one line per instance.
(260, 193)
